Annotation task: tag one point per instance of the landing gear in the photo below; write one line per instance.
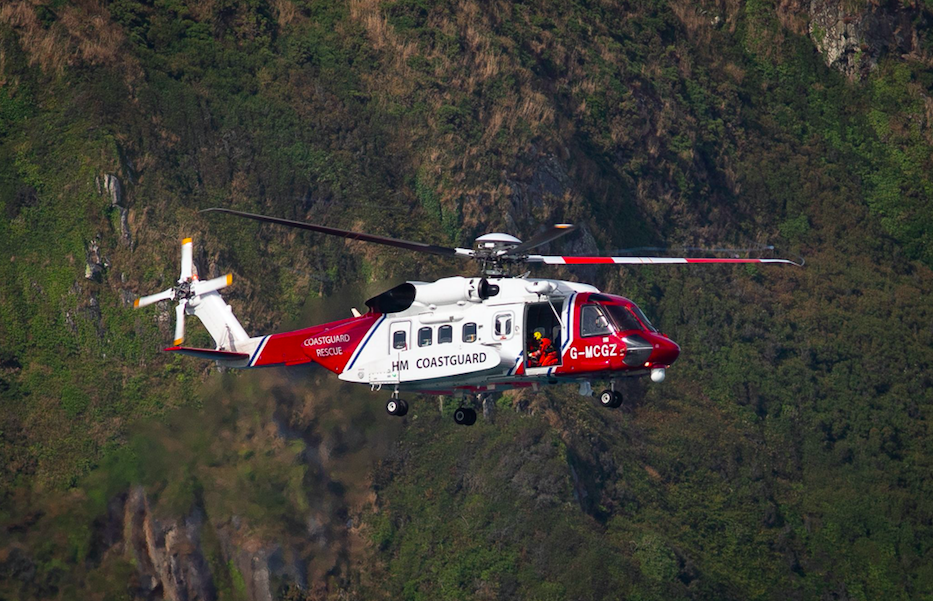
(610, 399)
(465, 416)
(396, 406)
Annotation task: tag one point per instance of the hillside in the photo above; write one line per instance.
(786, 456)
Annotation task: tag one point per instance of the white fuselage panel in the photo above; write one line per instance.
(459, 343)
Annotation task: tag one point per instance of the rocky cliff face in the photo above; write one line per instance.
(853, 38)
(170, 559)
(167, 553)
(260, 565)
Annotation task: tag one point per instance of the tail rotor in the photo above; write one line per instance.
(187, 291)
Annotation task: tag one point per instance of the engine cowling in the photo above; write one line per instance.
(448, 291)
(542, 287)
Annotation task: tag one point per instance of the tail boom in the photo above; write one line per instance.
(332, 345)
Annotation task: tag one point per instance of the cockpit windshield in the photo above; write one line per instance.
(641, 316)
(623, 318)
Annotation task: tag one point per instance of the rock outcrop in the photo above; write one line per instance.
(546, 182)
(853, 40)
(111, 185)
(260, 565)
(167, 553)
(95, 263)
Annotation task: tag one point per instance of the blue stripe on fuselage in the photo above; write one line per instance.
(517, 361)
(259, 346)
(365, 342)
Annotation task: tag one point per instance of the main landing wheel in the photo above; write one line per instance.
(465, 416)
(397, 407)
(610, 399)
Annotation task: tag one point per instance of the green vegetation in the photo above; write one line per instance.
(787, 454)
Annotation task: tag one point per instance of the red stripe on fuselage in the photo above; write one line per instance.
(330, 345)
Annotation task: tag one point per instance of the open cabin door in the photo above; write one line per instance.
(543, 318)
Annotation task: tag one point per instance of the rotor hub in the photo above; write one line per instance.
(492, 250)
(184, 290)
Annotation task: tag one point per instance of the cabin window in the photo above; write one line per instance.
(502, 327)
(445, 334)
(425, 336)
(469, 332)
(593, 321)
(398, 340)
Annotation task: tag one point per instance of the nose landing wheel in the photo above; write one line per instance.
(465, 416)
(396, 407)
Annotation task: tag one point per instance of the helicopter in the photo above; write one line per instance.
(460, 336)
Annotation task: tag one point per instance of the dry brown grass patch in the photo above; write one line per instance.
(285, 12)
(98, 40)
(203, 10)
(44, 47)
(84, 33)
(735, 72)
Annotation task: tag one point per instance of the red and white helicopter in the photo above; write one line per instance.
(457, 336)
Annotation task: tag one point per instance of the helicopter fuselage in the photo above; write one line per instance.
(474, 335)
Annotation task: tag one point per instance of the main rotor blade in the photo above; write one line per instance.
(154, 298)
(186, 252)
(416, 246)
(553, 233)
(180, 321)
(557, 260)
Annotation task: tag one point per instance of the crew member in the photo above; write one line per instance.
(541, 351)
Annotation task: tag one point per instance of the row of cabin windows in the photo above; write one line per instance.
(593, 322)
(445, 334)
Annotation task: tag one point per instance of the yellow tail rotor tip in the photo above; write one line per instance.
(136, 304)
(186, 241)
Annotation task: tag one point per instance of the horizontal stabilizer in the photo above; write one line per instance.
(206, 353)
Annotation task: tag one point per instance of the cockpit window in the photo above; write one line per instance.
(623, 318)
(593, 321)
(641, 316)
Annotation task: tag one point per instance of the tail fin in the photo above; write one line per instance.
(218, 318)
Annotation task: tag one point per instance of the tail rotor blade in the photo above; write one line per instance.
(205, 286)
(154, 298)
(180, 322)
(186, 253)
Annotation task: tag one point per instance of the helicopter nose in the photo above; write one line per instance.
(665, 352)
